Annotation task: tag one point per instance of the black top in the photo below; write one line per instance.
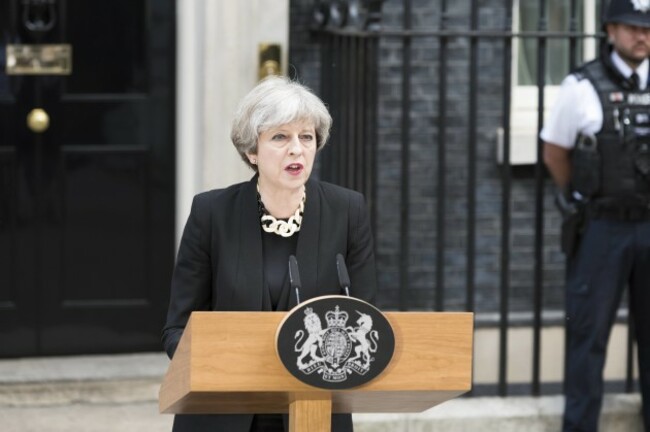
(276, 250)
(220, 267)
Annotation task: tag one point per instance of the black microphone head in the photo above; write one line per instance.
(294, 275)
(344, 277)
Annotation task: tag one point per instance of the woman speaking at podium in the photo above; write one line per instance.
(235, 248)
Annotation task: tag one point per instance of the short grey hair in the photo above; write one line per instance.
(273, 102)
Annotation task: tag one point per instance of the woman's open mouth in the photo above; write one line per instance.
(294, 168)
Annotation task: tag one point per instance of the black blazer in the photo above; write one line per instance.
(220, 265)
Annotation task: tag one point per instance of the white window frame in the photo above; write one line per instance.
(523, 103)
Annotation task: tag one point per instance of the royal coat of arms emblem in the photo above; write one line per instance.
(337, 350)
(336, 342)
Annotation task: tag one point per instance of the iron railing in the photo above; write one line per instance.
(356, 42)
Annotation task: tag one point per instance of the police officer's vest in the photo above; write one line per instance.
(616, 162)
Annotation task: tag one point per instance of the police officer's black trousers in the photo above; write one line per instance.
(611, 256)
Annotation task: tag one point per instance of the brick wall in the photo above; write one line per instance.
(424, 164)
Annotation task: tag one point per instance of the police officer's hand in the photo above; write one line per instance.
(565, 203)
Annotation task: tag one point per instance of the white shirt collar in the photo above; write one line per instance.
(626, 70)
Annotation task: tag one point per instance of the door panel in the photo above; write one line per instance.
(18, 311)
(107, 264)
(8, 244)
(110, 57)
(87, 230)
(100, 123)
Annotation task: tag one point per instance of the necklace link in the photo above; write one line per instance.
(283, 228)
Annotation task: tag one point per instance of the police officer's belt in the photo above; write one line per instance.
(619, 209)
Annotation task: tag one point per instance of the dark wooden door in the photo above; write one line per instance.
(87, 206)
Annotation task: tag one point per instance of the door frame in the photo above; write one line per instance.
(211, 35)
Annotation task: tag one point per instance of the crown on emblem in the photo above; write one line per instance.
(309, 311)
(336, 318)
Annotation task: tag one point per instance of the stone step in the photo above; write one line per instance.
(88, 379)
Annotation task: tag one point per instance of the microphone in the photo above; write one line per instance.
(294, 276)
(344, 277)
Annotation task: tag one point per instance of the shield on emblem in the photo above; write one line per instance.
(336, 345)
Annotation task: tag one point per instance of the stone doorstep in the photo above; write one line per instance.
(112, 379)
(79, 392)
(83, 368)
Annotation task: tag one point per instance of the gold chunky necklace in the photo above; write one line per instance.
(278, 226)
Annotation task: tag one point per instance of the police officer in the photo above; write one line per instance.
(597, 149)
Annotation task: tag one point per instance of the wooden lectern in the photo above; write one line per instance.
(226, 363)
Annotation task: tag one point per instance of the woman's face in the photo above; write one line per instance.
(285, 155)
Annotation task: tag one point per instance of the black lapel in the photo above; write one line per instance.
(250, 265)
(307, 250)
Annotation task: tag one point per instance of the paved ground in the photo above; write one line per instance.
(461, 415)
(134, 417)
(119, 394)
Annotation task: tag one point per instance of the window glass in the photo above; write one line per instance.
(558, 14)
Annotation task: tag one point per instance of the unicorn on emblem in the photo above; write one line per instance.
(361, 335)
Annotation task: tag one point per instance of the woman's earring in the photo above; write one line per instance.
(254, 161)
